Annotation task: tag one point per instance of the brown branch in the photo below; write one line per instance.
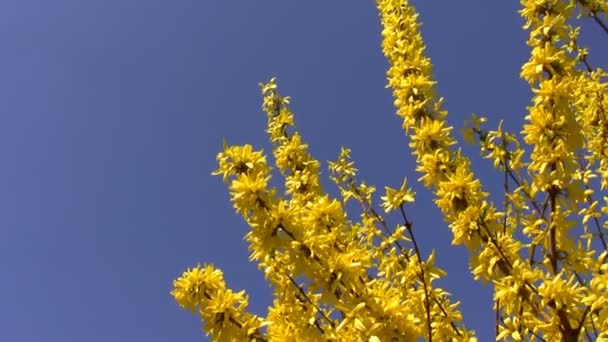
(593, 13)
(599, 21)
(552, 227)
(303, 293)
(408, 226)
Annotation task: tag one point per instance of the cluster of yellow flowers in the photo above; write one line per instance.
(336, 278)
(541, 284)
(221, 309)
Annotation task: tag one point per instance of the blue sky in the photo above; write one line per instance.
(112, 113)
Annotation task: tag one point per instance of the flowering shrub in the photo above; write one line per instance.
(343, 278)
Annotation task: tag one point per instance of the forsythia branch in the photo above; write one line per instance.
(341, 278)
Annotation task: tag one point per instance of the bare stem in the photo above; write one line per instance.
(408, 226)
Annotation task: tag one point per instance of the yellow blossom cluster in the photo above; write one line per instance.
(334, 278)
(222, 310)
(542, 282)
(342, 278)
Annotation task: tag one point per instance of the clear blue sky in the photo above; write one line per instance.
(112, 112)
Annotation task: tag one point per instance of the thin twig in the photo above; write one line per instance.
(408, 226)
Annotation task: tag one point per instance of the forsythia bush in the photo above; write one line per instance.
(339, 278)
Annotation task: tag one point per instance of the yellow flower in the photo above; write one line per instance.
(236, 160)
(249, 192)
(195, 285)
(394, 199)
(459, 191)
(270, 86)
